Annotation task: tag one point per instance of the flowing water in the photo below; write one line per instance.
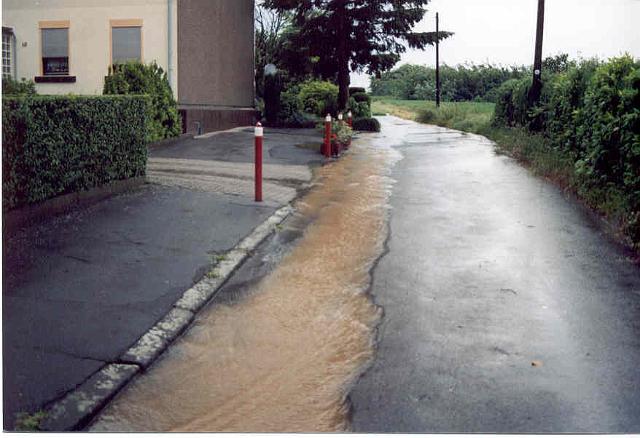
(283, 358)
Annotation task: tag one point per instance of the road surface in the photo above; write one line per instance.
(506, 308)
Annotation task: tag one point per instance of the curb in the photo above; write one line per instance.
(80, 406)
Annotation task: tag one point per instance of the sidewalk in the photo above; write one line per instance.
(80, 289)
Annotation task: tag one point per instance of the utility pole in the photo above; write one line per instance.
(536, 86)
(437, 60)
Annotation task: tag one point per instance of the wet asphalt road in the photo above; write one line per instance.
(506, 307)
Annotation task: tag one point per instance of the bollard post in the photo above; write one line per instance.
(338, 144)
(350, 123)
(327, 136)
(259, 135)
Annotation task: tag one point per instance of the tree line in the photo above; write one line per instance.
(461, 83)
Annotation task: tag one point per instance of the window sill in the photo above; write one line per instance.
(54, 79)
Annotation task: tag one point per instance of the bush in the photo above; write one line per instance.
(272, 99)
(609, 128)
(290, 104)
(300, 120)
(589, 112)
(12, 87)
(135, 78)
(341, 132)
(511, 106)
(366, 124)
(362, 97)
(359, 109)
(355, 90)
(54, 145)
(319, 98)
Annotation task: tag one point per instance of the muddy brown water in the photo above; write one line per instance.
(282, 359)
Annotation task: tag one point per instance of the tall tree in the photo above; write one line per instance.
(355, 35)
(270, 41)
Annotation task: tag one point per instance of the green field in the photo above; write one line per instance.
(463, 116)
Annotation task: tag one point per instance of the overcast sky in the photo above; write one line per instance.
(503, 31)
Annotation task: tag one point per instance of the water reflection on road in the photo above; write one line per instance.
(284, 357)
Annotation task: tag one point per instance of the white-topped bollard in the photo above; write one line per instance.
(327, 136)
(259, 136)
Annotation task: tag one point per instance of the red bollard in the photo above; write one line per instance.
(259, 134)
(338, 144)
(350, 123)
(326, 150)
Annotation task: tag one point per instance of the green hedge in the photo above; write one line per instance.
(53, 145)
(590, 113)
(366, 124)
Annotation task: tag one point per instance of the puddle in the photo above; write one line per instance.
(282, 359)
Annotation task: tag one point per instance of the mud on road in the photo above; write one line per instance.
(282, 357)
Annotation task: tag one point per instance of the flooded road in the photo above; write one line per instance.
(283, 356)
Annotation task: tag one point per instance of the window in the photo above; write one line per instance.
(126, 41)
(55, 51)
(7, 42)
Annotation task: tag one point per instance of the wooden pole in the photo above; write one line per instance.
(438, 91)
(536, 86)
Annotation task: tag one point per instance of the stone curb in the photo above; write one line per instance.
(76, 410)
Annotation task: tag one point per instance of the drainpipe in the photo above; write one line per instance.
(14, 43)
(170, 42)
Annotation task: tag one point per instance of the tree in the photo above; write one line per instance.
(270, 41)
(355, 35)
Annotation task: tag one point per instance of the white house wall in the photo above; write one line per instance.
(89, 37)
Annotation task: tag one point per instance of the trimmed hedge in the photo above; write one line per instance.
(366, 124)
(590, 113)
(53, 145)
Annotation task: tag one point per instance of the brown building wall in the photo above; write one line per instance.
(216, 53)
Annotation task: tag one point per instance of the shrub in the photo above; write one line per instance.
(290, 104)
(163, 120)
(563, 108)
(426, 116)
(359, 109)
(12, 87)
(272, 98)
(341, 132)
(609, 129)
(362, 97)
(589, 112)
(355, 90)
(511, 106)
(366, 124)
(319, 97)
(54, 145)
(300, 120)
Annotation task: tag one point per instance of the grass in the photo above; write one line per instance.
(532, 150)
(463, 116)
(26, 422)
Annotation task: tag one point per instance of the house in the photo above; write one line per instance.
(205, 46)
